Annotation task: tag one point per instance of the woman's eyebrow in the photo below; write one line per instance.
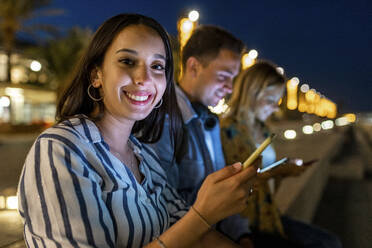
(159, 56)
(156, 55)
(127, 50)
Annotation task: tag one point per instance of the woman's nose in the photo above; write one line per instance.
(140, 75)
(275, 108)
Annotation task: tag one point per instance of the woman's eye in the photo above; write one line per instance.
(126, 61)
(158, 67)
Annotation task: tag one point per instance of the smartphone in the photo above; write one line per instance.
(273, 165)
(258, 151)
(310, 162)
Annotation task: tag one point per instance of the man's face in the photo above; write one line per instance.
(215, 79)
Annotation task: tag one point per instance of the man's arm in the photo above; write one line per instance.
(164, 148)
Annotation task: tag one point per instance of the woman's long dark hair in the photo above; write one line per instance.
(75, 99)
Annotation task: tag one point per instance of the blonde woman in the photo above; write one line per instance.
(255, 97)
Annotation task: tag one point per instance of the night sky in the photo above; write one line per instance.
(327, 44)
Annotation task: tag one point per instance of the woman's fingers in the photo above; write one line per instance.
(225, 192)
(248, 173)
(225, 173)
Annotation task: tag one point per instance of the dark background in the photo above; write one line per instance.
(325, 43)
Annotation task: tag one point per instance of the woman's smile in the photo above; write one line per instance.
(132, 75)
(139, 97)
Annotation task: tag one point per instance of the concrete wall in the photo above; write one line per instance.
(298, 197)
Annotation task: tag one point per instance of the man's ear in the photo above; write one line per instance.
(193, 66)
(96, 77)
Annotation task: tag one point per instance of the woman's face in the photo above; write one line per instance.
(132, 75)
(267, 101)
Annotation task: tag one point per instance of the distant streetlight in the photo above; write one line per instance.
(317, 127)
(186, 25)
(247, 61)
(307, 129)
(193, 15)
(35, 65)
(2, 202)
(280, 70)
(328, 124)
(342, 121)
(185, 29)
(4, 101)
(304, 88)
(12, 202)
(350, 117)
(310, 96)
(292, 93)
(253, 54)
(294, 82)
(14, 92)
(290, 134)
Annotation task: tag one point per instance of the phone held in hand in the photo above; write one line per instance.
(258, 151)
(273, 165)
(300, 162)
(310, 162)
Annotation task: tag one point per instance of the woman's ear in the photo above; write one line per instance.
(96, 77)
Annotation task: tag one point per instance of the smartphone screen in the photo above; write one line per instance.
(307, 163)
(273, 165)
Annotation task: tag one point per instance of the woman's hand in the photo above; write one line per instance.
(225, 192)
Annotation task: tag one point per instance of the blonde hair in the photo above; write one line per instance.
(247, 87)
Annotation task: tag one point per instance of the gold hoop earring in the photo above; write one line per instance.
(91, 97)
(159, 103)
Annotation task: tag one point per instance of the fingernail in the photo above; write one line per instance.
(237, 165)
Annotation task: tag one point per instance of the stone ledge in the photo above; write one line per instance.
(298, 197)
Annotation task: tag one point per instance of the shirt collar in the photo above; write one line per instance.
(89, 131)
(188, 112)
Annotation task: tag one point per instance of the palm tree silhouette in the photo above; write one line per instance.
(14, 15)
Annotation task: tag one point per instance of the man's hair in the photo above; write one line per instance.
(207, 41)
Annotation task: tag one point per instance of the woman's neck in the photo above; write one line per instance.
(116, 134)
(254, 125)
(115, 131)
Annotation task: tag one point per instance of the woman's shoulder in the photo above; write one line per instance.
(226, 122)
(230, 128)
(75, 130)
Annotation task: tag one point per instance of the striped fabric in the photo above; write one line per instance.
(74, 193)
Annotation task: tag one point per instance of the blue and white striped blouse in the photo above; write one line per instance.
(74, 193)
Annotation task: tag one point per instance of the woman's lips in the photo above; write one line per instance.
(139, 98)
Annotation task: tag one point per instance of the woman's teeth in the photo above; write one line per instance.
(137, 98)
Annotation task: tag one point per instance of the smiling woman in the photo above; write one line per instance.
(124, 58)
(89, 181)
(132, 81)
